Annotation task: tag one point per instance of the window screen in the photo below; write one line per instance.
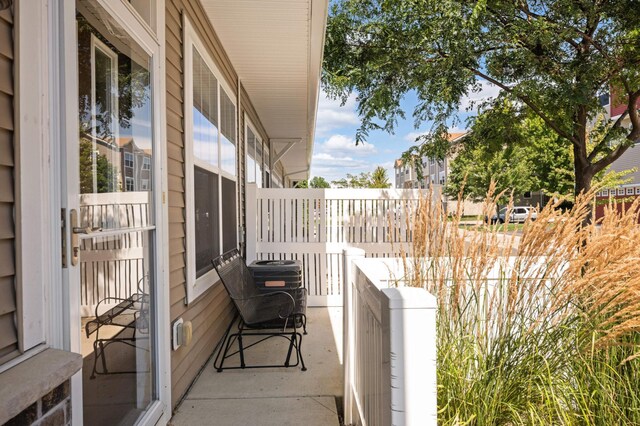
(206, 219)
(229, 230)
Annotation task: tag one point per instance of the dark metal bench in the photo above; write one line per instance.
(131, 313)
(279, 313)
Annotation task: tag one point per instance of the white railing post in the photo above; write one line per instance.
(349, 255)
(411, 313)
(252, 222)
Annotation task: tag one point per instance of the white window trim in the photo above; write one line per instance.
(62, 42)
(629, 191)
(97, 44)
(36, 190)
(198, 286)
(249, 125)
(620, 191)
(637, 190)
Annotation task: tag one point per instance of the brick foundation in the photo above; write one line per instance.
(53, 409)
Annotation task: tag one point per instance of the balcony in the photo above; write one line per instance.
(360, 359)
(275, 396)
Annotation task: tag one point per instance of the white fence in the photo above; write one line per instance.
(315, 225)
(112, 265)
(389, 346)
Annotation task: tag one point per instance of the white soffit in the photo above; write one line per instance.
(276, 48)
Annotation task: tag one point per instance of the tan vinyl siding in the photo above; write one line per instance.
(212, 311)
(8, 331)
(628, 161)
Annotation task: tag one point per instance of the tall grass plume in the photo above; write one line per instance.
(536, 326)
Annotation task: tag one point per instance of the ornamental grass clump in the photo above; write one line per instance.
(538, 326)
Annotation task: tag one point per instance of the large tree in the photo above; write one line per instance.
(553, 56)
(513, 149)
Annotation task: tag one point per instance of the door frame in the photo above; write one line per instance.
(64, 59)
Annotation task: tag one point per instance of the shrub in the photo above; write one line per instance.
(538, 326)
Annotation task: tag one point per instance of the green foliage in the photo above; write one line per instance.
(302, 184)
(553, 57)
(379, 178)
(376, 179)
(106, 174)
(353, 181)
(513, 149)
(319, 182)
(535, 327)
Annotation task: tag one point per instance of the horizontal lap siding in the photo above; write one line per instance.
(8, 330)
(212, 311)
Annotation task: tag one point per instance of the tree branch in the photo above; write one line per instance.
(528, 102)
(600, 146)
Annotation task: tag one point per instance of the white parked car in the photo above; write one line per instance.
(517, 214)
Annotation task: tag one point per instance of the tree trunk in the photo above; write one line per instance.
(584, 176)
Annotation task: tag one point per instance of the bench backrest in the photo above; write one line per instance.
(235, 275)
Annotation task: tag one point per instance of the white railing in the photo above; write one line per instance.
(112, 266)
(315, 225)
(389, 346)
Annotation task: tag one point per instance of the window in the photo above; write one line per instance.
(254, 154)
(605, 193)
(629, 191)
(128, 184)
(144, 186)
(128, 160)
(146, 9)
(442, 178)
(146, 163)
(620, 191)
(637, 190)
(527, 195)
(211, 171)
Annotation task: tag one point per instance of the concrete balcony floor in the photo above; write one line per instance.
(274, 396)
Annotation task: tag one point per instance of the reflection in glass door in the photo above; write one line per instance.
(115, 224)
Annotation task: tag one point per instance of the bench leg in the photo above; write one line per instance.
(225, 343)
(299, 349)
(292, 340)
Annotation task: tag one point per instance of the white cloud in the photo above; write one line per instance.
(487, 92)
(333, 167)
(332, 116)
(412, 136)
(345, 145)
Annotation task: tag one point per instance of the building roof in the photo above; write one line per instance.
(276, 48)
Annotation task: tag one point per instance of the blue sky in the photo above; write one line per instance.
(336, 154)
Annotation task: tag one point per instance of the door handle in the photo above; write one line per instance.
(87, 230)
(75, 235)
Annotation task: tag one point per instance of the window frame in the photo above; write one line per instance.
(130, 159)
(248, 125)
(127, 180)
(637, 190)
(196, 286)
(97, 44)
(620, 191)
(629, 191)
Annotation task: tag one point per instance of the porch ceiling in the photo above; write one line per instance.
(276, 48)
